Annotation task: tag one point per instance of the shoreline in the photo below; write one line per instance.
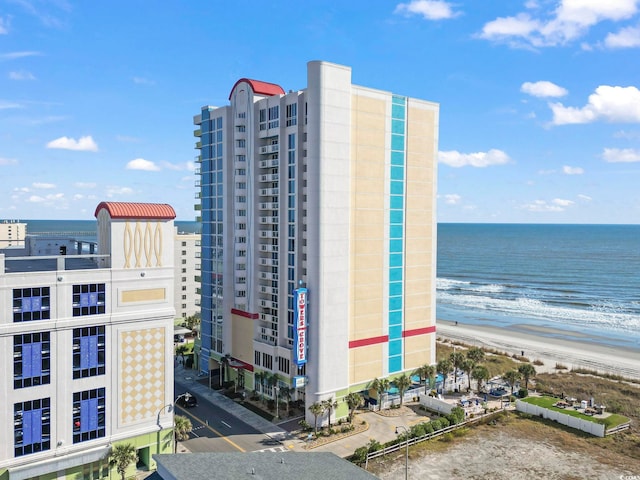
(545, 344)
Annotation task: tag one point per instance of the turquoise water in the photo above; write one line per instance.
(576, 278)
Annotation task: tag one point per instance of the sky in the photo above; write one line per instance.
(539, 99)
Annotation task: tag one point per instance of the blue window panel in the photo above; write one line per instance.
(398, 100)
(397, 188)
(84, 299)
(84, 416)
(93, 299)
(395, 303)
(205, 114)
(32, 426)
(395, 246)
(396, 202)
(395, 260)
(36, 304)
(397, 158)
(395, 318)
(84, 352)
(397, 126)
(396, 216)
(219, 122)
(395, 274)
(27, 367)
(93, 351)
(395, 364)
(36, 359)
(396, 231)
(397, 142)
(27, 426)
(93, 414)
(26, 304)
(397, 173)
(395, 288)
(397, 111)
(395, 332)
(395, 347)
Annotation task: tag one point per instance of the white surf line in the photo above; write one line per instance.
(225, 424)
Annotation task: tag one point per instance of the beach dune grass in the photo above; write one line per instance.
(611, 421)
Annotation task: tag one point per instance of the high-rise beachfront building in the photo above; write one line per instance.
(86, 349)
(318, 235)
(187, 268)
(12, 233)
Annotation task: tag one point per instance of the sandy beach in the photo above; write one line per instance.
(546, 345)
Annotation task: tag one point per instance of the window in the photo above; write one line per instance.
(184, 279)
(88, 415)
(184, 261)
(184, 288)
(184, 297)
(241, 199)
(88, 299)
(184, 244)
(241, 293)
(267, 361)
(31, 359)
(184, 305)
(241, 158)
(184, 252)
(88, 351)
(242, 143)
(283, 364)
(241, 171)
(32, 426)
(292, 114)
(256, 358)
(31, 304)
(263, 118)
(274, 115)
(184, 270)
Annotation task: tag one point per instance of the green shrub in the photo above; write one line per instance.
(373, 446)
(428, 427)
(444, 422)
(523, 393)
(359, 455)
(417, 430)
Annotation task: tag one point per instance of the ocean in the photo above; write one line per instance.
(573, 280)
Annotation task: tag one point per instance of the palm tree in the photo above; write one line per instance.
(467, 366)
(480, 373)
(527, 371)
(456, 359)
(181, 428)
(382, 386)
(316, 410)
(511, 377)
(403, 382)
(354, 400)
(444, 367)
(259, 380)
(329, 404)
(476, 354)
(123, 455)
(426, 372)
(285, 395)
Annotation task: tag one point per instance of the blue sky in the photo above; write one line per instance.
(539, 100)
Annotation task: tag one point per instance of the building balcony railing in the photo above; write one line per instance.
(198, 145)
(268, 262)
(266, 149)
(268, 276)
(270, 177)
(49, 263)
(264, 289)
(268, 234)
(269, 248)
(269, 192)
(269, 206)
(271, 163)
(197, 132)
(268, 220)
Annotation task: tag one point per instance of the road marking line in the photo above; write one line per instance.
(225, 424)
(213, 430)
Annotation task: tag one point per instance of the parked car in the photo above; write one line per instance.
(178, 339)
(187, 400)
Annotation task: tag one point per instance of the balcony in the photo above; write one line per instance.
(268, 304)
(268, 276)
(268, 234)
(197, 159)
(270, 177)
(197, 184)
(271, 163)
(197, 119)
(268, 262)
(269, 206)
(198, 145)
(269, 192)
(197, 132)
(266, 149)
(269, 248)
(269, 220)
(268, 290)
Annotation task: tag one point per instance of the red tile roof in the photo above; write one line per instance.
(261, 88)
(137, 210)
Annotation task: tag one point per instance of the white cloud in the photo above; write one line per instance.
(452, 199)
(116, 191)
(478, 159)
(8, 161)
(84, 144)
(429, 9)
(4, 105)
(567, 170)
(556, 205)
(15, 55)
(90, 185)
(612, 104)
(621, 155)
(43, 186)
(21, 75)
(48, 198)
(570, 20)
(627, 135)
(142, 164)
(626, 38)
(4, 26)
(585, 198)
(543, 89)
(143, 81)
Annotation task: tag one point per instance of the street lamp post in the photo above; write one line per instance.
(277, 389)
(406, 457)
(169, 408)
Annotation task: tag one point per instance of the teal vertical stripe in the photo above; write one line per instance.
(397, 140)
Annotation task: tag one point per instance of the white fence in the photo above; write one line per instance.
(436, 405)
(593, 428)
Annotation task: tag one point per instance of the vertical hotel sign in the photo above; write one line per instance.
(300, 299)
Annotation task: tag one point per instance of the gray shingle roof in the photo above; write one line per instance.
(259, 466)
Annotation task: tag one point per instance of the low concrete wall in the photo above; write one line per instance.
(593, 428)
(436, 405)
